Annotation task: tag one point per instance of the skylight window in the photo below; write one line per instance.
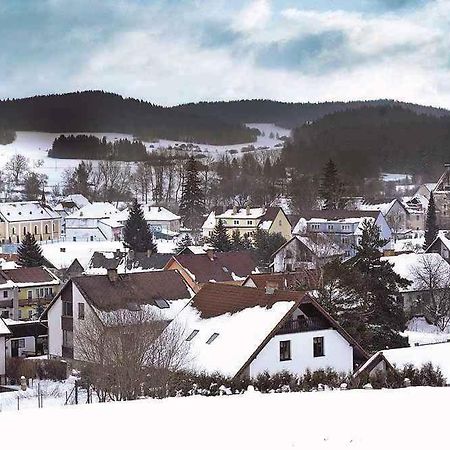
(162, 303)
(225, 269)
(192, 335)
(212, 338)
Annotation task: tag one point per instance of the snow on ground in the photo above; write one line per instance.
(357, 420)
(396, 177)
(420, 331)
(34, 145)
(61, 254)
(410, 245)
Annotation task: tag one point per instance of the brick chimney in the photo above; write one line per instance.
(234, 209)
(113, 276)
(210, 254)
(247, 210)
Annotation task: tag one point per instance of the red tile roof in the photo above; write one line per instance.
(218, 268)
(28, 275)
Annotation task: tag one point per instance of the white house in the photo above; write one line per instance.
(343, 226)
(238, 331)
(441, 245)
(4, 333)
(94, 222)
(164, 293)
(158, 218)
(27, 338)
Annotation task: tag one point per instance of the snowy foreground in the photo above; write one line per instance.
(359, 419)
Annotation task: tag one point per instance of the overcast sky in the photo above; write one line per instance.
(170, 52)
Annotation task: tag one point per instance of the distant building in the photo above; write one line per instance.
(20, 218)
(247, 220)
(441, 245)
(441, 194)
(241, 331)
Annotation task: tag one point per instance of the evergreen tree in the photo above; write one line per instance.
(137, 234)
(30, 252)
(266, 244)
(219, 238)
(185, 241)
(192, 205)
(331, 189)
(431, 226)
(236, 241)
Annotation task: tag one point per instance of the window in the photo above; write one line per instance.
(5, 294)
(30, 313)
(30, 295)
(91, 238)
(4, 314)
(67, 309)
(81, 311)
(285, 350)
(212, 338)
(330, 227)
(162, 303)
(236, 222)
(21, 343)
(46, 229)
(24, 231)
(74, 239)
(249, 222)
(13, 230)
(35, 230)
(19, 314)
(192, 335)
(318, 347)
(345, 240)
(67, 338)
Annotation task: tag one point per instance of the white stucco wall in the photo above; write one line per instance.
(2, 356)
(78, 298)
(29, 346)
(338, 354)
(54, 328)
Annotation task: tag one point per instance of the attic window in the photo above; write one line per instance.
(212, 338)
(162, 303)
(225, 269)
(192, 335)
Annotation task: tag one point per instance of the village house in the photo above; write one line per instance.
(68, 205)
(441, 194)
(219, 267)
(417, 356)
(413, 267)
(441, 245)
(306, 252)
(161, 221)
(241, 331)
(343, 226)
(94, 222)
(26, 291)
(301, 280)
(162, 293)
(248, 220)
(37, 218)
(26, 338)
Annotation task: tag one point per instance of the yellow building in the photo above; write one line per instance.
(248, 220)
(19, 218)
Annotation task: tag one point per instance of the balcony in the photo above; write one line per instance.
(303, 324)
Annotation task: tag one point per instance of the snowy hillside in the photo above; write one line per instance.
(357, 420)
(34, 145)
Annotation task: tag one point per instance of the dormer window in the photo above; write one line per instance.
(212, 338)
(162, 303)
(192, 335)
(225, 269)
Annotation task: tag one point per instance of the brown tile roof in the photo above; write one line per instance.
(9, 256)
(28, 275)
(215, 299)
(220, 267)
(270, 214)
(336, 214)
(307, 278)
(132, 288)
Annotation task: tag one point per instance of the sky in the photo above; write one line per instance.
(170, 52)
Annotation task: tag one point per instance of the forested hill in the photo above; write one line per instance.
(365, 141)
(290, 115)
(92, 111)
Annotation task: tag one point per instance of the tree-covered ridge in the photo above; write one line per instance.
(366, 141)
(291, 115)
(92, 111)
(7, 136)
(84, 146)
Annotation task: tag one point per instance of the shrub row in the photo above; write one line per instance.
(43, 369)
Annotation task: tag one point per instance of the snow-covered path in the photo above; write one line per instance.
(412, 418)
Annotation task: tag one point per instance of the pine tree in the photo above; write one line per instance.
(331, 189)
(266, 244)
(30, 252)
(219, 238)
(236, 241)
(185, 241)
(431, 226)
(137, 234)
(192, 205)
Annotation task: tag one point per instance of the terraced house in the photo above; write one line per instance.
(20, 218)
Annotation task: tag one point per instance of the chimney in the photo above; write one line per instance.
(210, 254)
(113, 276)
(247, 210)
(234, 209)
(270, 290)
(159, 208)
(149, 253)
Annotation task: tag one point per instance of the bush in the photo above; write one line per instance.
(43, 369)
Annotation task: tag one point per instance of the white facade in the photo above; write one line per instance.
(54, 328)
(338, 354)
(25, 346)
(2, 357)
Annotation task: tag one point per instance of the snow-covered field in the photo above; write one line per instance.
(34, 145)
(410, 418)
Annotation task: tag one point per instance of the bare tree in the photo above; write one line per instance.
(17, 167)
(126, 353)
(396, 222)
(432, 276)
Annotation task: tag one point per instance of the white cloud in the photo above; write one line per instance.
(253, 17)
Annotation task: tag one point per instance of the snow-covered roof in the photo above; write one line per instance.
(242, 213)
(210, 221)
(430, 186)
(383, 207)
(4, 330)
(26, 211)
(151, 213)
(96, 210)
(239, 332)
(408, 264)
(111, 222)
(321, 245)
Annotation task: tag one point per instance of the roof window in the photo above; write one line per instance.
(161, 303)
(212, 338)
(192, 335)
